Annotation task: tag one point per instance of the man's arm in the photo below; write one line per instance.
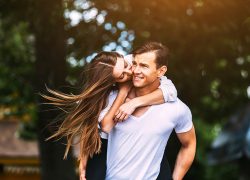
(186, 154)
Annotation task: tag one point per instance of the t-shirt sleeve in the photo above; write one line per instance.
(168, 89)
(110, 101)
(184, 122)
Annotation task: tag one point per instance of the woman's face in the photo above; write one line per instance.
(122, 70)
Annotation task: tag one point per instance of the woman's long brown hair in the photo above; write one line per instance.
(82, 110)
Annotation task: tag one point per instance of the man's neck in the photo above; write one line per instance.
(141, 91)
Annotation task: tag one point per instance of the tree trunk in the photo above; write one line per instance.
(51, 70)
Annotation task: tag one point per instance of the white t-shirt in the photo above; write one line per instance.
(136, 146)
(110, 101)
(169, 94)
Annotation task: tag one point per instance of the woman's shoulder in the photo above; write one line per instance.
(112, 95)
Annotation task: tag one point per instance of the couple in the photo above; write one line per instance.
(137, 130)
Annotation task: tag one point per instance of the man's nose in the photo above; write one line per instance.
(136, 70)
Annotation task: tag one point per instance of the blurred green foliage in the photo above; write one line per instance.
(16, 72)
(209, 63)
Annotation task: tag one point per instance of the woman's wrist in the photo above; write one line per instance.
(123, 93)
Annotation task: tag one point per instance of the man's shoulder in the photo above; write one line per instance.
(182, 109)
(181, 104)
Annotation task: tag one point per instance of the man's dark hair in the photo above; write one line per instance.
(160, 50)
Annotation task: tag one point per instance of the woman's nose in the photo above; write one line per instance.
(128, 71)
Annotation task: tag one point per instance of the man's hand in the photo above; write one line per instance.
(125, 110)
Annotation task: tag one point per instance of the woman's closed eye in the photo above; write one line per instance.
(122, 76)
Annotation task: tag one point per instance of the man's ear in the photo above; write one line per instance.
(162, 70)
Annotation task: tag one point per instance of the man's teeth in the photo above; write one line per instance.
(137, 78)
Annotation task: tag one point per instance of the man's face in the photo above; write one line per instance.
(122, 70)
(144, 69)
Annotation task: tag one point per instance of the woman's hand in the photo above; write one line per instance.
(82, 175)
(126, 109)
(82, 170)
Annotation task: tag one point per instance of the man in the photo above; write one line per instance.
(95, 167)
(136, 146)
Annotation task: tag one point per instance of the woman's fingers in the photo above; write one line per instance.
(117, 116)
(120, 116)
(126, 117)
(82, 175)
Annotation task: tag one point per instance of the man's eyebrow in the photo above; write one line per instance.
(144, 64)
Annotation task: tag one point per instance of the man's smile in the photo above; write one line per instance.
(137, 78)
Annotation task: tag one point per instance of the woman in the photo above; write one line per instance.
(83, 110)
